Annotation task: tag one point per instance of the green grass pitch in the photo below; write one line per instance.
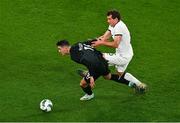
(31, 69)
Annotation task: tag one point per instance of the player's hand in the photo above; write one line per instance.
(97, 43)
(92, 83)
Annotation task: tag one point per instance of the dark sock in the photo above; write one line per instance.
(87, 90)
(119, 79)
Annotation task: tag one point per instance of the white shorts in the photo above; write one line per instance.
(118, 61)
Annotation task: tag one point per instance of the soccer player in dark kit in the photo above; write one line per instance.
(83, 53)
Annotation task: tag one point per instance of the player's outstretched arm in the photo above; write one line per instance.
(114, 43)
(106, 35)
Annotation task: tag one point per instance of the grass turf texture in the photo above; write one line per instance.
(31, 69)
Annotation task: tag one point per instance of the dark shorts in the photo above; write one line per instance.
(99, 66)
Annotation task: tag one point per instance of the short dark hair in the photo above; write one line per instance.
(114, 13)
(63, 43)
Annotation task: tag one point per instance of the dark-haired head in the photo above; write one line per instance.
(113, 17)
(63, 47)
(114, 13)
(63, 43)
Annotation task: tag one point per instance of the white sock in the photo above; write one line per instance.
(131, 78)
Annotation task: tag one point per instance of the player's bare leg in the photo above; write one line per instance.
(133, 82)
(124, 78)
(87, 89)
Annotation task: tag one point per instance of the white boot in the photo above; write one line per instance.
(87, 97)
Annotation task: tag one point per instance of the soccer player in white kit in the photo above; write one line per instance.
(124, 52)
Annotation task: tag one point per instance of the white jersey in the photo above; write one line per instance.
(124, 49)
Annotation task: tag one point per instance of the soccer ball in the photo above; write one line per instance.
(46, 105)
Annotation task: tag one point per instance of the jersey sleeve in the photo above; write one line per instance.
(118, 30)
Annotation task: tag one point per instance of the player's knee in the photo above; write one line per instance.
(120, 73)
(83, 83)
(108, 77)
